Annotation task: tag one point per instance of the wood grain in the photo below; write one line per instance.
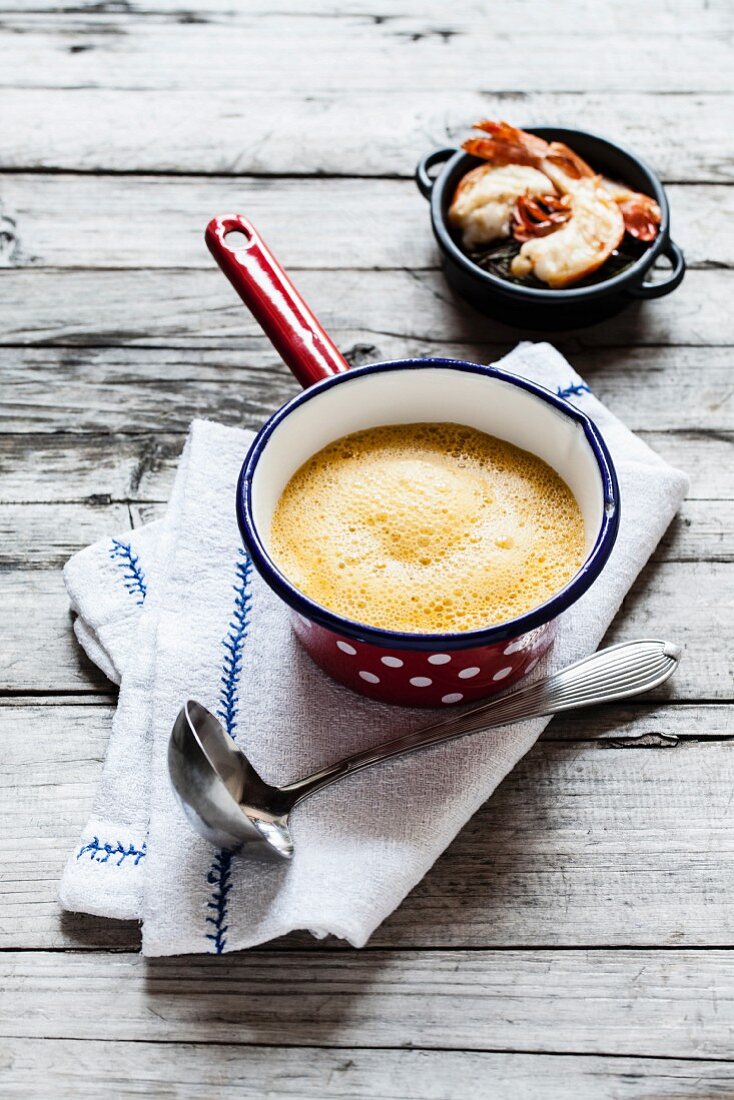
(274, 133)
(341, 222)
(40, 651)
(198, 309)
(628, 804)
(94, 469)
(626, 1002)
(124, 50)
(88, 389)
(662, 15)
(46, 535)
(186, 1070)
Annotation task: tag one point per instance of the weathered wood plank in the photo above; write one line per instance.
(577, 820)
(370, 223)
(86, 1068)
(99, 468)
(230, 132)
(697, 454)
(44, 535)
(661, 16)
(160, 390)
(601, 1002)
(83, 390)
(199, 309)
(636, 724)
(40, 653)
(700, 532)
(694, 614)
(34, 536)
(121, 50)
(39, 648)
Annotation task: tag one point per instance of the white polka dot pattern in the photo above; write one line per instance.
(502, 673)
(420, 677)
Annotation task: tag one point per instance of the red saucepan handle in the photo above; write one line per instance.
(268, 293)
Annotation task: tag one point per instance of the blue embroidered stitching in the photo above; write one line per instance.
(219, 877)
(233, 644)
(100, 852)
(219, 874)
(573, 391)
(134, 581)
(132, 575)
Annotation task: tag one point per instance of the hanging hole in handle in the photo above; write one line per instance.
(237, 240)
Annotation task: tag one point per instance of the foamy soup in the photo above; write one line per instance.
(427, 528)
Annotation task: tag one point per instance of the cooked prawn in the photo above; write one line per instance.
(486, 198)
(596, 225)
(536, 217)
(641, 214)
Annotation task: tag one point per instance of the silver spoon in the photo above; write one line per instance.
(227, 802)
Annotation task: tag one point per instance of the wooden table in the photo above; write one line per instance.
(575, 940)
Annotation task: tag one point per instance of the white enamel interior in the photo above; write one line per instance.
(437, 394)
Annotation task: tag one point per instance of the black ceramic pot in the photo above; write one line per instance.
(535, 308)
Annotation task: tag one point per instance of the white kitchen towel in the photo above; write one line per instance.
(175, 610)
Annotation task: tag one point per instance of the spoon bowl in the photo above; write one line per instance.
(223, 797)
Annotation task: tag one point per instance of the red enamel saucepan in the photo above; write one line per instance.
(393, 666)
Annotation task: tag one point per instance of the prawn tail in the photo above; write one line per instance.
(506, 145)
(642, 217)
(568, 162)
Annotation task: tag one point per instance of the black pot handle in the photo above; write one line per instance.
(430, 160)
(658, 290)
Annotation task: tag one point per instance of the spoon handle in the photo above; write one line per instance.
(617, 672)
